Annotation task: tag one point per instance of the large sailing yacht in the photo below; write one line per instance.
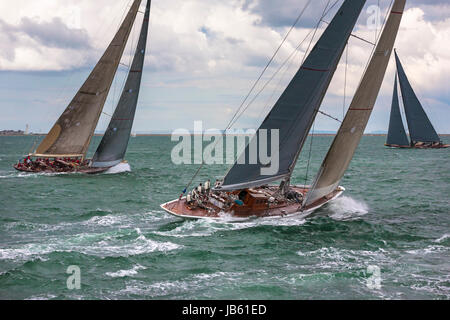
(64, 148)
(245, 192)
(421, 131)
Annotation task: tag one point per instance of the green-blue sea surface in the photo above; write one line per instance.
(394, 217)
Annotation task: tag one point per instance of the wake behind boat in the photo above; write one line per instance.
(245, 192)
(65, 147)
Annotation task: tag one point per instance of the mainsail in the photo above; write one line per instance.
(113, 146)
(396, 134)
(352, 128)
(73, 131)
(420, 127)
(294, 112)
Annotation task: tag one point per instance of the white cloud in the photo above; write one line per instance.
(212, 47)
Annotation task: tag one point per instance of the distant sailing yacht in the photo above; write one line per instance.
(421, 131)
(68, 141)
(244, 192)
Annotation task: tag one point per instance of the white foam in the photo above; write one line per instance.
(331, 257)
(119, 168)
(428, 250)
(207, 227)
(126, 273)
(101, 245)
(174, 287)
(107, 220)
(443, 238)
(346, 208)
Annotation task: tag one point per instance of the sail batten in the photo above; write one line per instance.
(294, 112)
(420, 127)
(73, 131)
(396, 134)
(113, 145)
(352, 128)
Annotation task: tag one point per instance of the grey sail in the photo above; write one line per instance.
(71, 134)
(294, 112)
(352, 128)
(396, 134)
(113, 146)
(420, 127)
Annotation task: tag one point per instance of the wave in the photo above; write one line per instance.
(30, 174)
(443, 238)
(346, 209)
(119, 168)
(100, 245)
(196, 282)
(125, 273)
(207, 227)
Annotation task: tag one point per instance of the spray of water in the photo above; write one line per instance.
(119, 168)
(346, 208)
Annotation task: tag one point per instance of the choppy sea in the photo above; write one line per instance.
(387, 237)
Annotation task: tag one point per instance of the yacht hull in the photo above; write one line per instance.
(181, 209)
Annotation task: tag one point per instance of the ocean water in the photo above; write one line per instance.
(393, 218)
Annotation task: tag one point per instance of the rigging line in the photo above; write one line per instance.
(66, 85)
(345, 82)
(374, 47)
(355, 36)
(317, 26)
(292, 57)
(310, 152)
(295, 51)
(329, 116)
(270, 61)
(325, 12)
(376, 23)
(253, 87)
(302, 141)
(133, 49)
(124, 80)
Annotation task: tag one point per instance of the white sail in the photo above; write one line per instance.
(352, 128)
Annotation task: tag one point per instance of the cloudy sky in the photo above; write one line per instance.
(203, 58)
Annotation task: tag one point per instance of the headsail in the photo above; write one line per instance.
(352, 128)
(113, 146)
(294, 112)
(420, 127)
(73, 131)
(396, 134)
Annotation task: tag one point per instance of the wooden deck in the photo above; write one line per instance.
(181, 209)
(87, 170)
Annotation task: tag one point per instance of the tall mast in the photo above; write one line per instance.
(113, 146)
(73, 131)
(294, 112)
(352, 128)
